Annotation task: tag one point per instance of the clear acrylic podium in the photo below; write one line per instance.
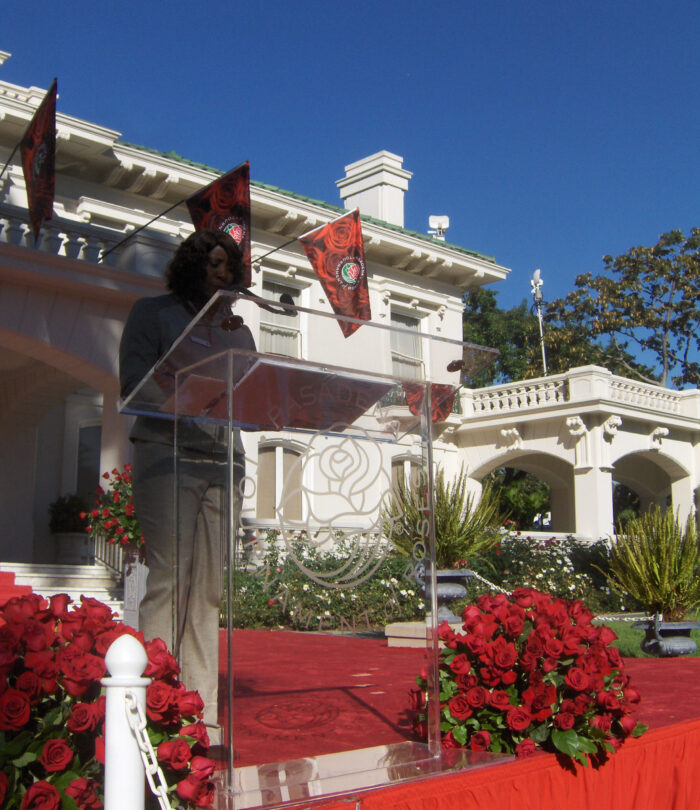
(312, 447)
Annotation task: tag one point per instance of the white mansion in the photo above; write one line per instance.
(62, 311)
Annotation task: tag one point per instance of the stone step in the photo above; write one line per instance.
(94, 581)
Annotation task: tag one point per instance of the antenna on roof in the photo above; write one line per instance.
(438, 226)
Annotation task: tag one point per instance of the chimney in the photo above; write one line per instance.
(376, 185)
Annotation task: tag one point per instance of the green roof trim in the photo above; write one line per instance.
(173, 155)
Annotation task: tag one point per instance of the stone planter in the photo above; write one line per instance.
(451, 585)
(667, 639)
(74, 548)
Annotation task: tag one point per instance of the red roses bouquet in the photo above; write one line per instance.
(531, 670)
(113, 515)
(52, 710)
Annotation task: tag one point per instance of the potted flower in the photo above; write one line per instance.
(113, 516)
(112, 521)
(463, 527)
(67, 525)
(655, 560)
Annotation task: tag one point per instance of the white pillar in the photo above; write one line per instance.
(115, 451)
(593, 491)
(125, 773)
(683, 498)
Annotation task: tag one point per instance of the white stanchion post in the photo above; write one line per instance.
(124, 769)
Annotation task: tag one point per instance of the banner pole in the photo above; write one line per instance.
(138, 230)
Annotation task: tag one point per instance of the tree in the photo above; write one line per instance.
(515, 333)
(510, 331)
(521, 495)
(647, 304)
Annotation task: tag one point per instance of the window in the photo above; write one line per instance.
(279, 482)
(88, 471)
(279, 333)
(405, 469)
(406, 356)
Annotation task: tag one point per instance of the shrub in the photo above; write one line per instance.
(655, 561)
(463, 524)
(277, 591)
(563, 567)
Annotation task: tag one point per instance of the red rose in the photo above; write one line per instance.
(526, 748)
(524, 597)
(477, 697)
(100, 749)
(564, 721)
(56, 755)
(502, 653)
(82, 718)
(202, 766)
(84, 792)
(460, 664)
(601, 721)
(608, 701)
(81, 672)
(175, 753)
(513, 626)
(15, 710)
(627, 724)
(4, 783)
(58, 604)
(198, 731)
(509, 677)
(41, 796)
(480, 741)
(518, 718)
(476, 644)
(195, 790)
(190, 704)
(632, 695)
(460, 708)
(577, 679)
(161, 664)
(159, 699)
(29, 683)
(553, 648)
(499, 700)
(448, 741)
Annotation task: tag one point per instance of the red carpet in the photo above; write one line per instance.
(303, 694)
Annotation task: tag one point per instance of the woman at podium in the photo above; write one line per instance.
(184, 552)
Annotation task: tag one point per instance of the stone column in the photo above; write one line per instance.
(593, 490)
(115, 450)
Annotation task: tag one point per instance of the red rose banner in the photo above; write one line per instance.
(337, 254)
(38, 150)
(224, 205)
(442, 398)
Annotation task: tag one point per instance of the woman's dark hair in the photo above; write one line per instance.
(187, 271)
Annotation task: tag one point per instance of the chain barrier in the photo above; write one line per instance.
(486, 582)
(138, 725)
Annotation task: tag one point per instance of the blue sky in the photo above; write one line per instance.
(550, 133)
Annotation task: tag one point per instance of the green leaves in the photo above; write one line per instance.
(655, 561)
(645, 302)
(573, 745)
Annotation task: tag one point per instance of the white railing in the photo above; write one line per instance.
(652, 397)
(85, 241)
(519, 396)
